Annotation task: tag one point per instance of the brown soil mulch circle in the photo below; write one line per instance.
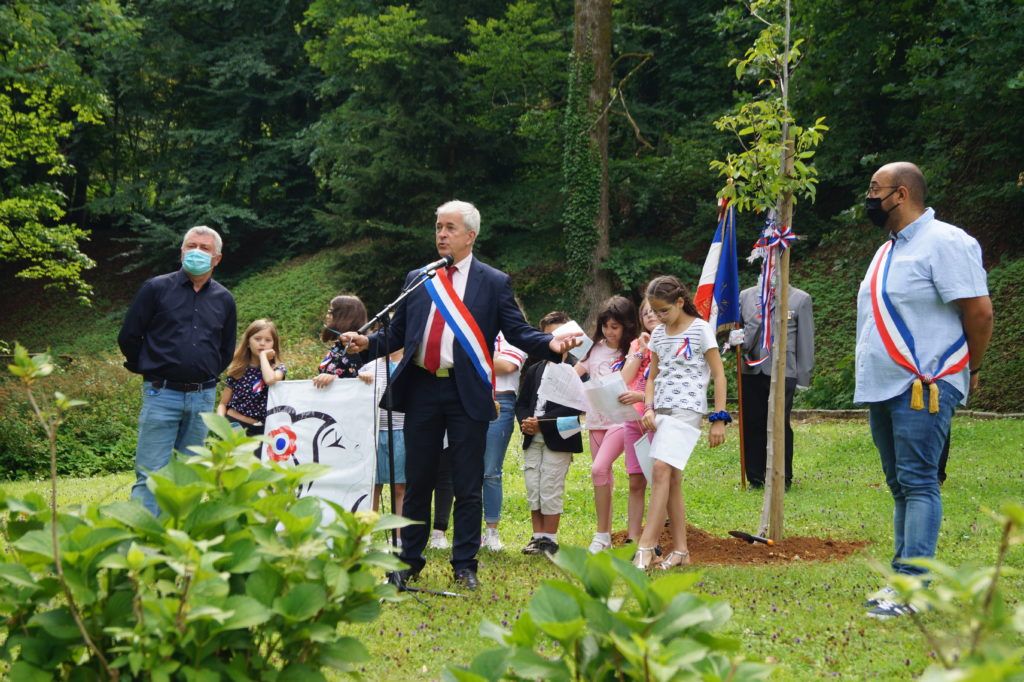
(708, 549)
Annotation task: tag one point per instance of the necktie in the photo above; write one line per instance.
(432, 356)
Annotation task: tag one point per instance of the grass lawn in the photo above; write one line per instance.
(805, 616)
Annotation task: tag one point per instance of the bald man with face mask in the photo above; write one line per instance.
(924, 319)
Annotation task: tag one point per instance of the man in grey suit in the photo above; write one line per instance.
(757, 380)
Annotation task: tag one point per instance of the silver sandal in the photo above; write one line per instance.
(638, 558)
(667, 563)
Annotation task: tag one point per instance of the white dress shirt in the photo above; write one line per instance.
(458, 280)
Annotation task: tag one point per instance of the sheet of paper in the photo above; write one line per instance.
(571, 326)
(603, 396)
(674, 441)
(562, 385)
(643, 457)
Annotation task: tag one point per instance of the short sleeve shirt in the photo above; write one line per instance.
(639, 382)
(509, 353)
(683, 371)
(249, 392)
(932, 265)
(380, 378)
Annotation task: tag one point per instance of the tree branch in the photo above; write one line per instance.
(50, 427)
(618, 90)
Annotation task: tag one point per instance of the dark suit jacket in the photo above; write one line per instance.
(492, 304)
(526, 406)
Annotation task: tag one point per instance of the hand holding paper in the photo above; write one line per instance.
(564, 343)
(603, 395)
(572, 328)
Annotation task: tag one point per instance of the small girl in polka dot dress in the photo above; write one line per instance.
(255, 366)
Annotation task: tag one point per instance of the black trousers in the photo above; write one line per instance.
(433, 408)
(444, 495)
(756, 389)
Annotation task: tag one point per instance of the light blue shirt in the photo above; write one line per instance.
(933, 264)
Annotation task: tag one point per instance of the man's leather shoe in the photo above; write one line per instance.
(467, 578)
(400, 579)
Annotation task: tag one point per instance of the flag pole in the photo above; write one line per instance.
(739, 391)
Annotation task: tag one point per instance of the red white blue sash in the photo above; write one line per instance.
(896, 336)
(462, 324)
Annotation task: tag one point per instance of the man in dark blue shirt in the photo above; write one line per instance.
(179, 334)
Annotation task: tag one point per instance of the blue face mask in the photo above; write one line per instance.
(197, 262)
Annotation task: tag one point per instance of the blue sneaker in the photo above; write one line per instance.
(886, 609)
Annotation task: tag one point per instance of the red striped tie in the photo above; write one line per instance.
(432, 356)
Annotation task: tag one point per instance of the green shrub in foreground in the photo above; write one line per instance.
(97, 438)
(238, 580)
(987, 642)
(657, 631)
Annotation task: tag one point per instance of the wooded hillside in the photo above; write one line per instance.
(297, 126)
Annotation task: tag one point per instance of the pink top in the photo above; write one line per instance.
(599, 363)
(639, 382)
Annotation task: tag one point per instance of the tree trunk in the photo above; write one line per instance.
(775, 479)
(592, 21)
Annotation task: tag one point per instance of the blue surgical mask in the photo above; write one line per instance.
(197, 262)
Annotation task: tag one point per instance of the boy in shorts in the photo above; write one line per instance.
(546, 459)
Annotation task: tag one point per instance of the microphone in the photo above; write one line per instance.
(440, 263)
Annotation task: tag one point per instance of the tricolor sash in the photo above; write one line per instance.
(899, 342)
(458, 317)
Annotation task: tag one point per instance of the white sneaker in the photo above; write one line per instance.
(491, 540)
(438, 540)
(599, 543)
(887, 593)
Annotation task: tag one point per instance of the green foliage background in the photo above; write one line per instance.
(319, 135)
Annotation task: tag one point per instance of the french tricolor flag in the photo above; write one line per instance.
(718, 292)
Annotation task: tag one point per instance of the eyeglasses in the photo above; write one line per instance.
(875, 189)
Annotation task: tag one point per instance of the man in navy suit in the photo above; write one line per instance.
(440, 391)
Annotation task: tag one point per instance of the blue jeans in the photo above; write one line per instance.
(499, 432)
(383, 466)
(910, 443)
(169, 420)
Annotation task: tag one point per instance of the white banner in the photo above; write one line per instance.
(335, 426)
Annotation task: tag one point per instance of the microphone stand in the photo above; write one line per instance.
(384, 319)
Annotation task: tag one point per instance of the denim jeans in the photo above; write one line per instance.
(910, 443)
(169, 420)
(499, 432)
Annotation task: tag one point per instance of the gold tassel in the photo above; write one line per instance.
(933, 397)
(917, 396)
